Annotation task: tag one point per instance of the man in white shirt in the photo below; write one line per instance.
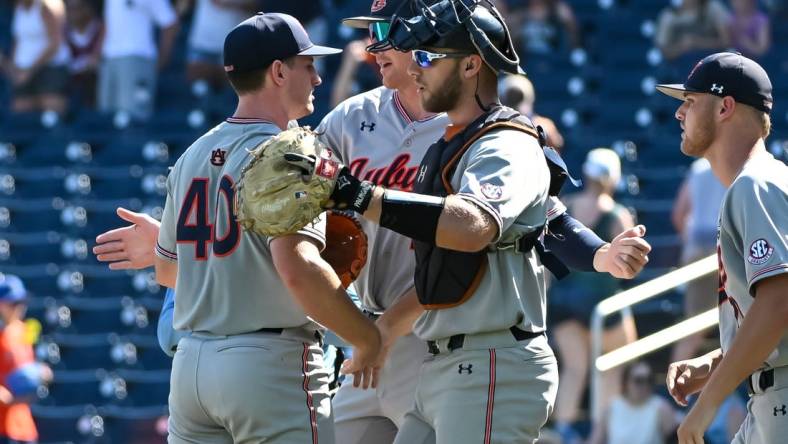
(130, 57)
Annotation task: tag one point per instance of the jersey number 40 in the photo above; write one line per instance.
(194, 226)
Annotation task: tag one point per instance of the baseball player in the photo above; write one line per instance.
(725, 117)
(251, 370)
(383, 134)
(477, 273)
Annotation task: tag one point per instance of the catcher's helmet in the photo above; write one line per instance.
(463, 25)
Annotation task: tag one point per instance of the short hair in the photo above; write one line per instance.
(759, 118)
(245, 82)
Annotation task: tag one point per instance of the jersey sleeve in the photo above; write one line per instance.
(166, 242)
(555, 208)
(757, 210)
(506, 172)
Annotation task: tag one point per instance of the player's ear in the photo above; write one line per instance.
(471, 65)
(727, 105)
(277, 72)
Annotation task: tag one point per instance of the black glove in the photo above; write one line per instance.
(349, 192)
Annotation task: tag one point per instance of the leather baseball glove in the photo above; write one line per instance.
(346, 246)
(273, 197)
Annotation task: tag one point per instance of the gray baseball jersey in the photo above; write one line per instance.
(373, 135)
(217, 293)
(375, 138)
(504, 173)
(752, 243)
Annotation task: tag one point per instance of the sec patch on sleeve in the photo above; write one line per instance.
(760, 252)
(490, 191)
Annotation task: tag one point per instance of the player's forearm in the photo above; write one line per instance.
(455, 223)
(317, 289)
(759, 334)
(398, 319)
(166, 272)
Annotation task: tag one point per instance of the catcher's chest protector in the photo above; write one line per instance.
(447, 278)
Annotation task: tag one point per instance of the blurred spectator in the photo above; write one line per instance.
(749, 28)
(693, 27)
(638, 416)
(128, 72)
(20, 374)
(572, 300)
(37, 68)
(212, 20)
(694, 217)
(84, 35)
(309, 12)
(518, 92)
(358, 72)
(542, 26)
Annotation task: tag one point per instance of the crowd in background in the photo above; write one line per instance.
(107, 55)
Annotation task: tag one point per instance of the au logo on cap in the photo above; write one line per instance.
(377, 5)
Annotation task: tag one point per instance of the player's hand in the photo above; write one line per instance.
(365, 363)
(695, 424)
(349, 193)
(688, 377)
(625, 256)
(131, 247)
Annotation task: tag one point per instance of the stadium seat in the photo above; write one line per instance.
(89, 315)
(143, 388)
(40, 279)
(32, 183)
(30, 248)
(136, 425)
(140, 352)
(73, 387)
(64, 351)
(69, 424)
(31, 215)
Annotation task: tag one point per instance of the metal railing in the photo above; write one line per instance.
(634, 350)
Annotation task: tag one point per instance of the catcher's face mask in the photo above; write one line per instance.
(436, 22)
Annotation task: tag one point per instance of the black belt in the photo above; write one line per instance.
(276, 331)
(370, 314)
(457, 341)
(765, 380)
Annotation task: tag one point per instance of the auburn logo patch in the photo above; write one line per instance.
(377, 5)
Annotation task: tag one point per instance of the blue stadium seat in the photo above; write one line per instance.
(87, 315)
(31, 215)
(32, 183)
(141, 352)
(30, 248)
(40, 279)
(143, 388)
(69, 424)
(73, 387)
(64, 351)
(136, 425)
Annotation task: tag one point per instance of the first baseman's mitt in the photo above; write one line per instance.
(273, 198)
(346, 246)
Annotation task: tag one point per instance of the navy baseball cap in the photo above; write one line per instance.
(259, 40)
(380, 11)
(11, 288)
(727, 74)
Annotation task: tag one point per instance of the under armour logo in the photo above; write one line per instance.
(469, 368)
(218, 157)
(781, 410)
(422, 173)
(371, 126)
(716, 88)
(342, 182)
